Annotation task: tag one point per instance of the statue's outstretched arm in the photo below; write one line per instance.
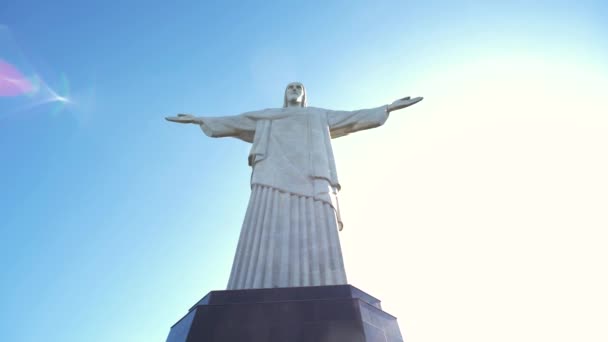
(239, 126)
(342, 123)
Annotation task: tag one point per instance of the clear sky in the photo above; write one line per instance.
(479, 214)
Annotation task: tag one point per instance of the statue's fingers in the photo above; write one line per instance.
(405, 98)
(417, 99)
(414, 101)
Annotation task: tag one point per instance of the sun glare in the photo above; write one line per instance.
(498, 174)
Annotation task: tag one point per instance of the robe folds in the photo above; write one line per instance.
(289, 235)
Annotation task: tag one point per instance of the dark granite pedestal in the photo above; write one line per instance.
(340, 313)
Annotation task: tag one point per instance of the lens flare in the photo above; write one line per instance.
(22, 88)
(12, 82)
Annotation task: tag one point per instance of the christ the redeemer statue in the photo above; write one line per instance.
(290, 233)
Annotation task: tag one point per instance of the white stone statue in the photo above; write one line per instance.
(290, 233)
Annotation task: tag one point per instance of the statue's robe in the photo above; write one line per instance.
(289, 236)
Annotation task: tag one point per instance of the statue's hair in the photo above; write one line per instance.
(304, 103)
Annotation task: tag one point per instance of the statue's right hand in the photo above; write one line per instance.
(182, 118)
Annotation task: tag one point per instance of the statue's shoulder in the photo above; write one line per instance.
(265, 114)
(262, 111)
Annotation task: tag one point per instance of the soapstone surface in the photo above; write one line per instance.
(289, 235)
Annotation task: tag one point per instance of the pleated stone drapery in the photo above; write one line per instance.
(287, 240)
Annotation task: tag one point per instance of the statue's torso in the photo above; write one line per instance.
(292, 152)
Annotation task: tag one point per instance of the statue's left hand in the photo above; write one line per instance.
(402, 103)
(182, 118)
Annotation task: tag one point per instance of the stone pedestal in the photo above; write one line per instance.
(340, 313)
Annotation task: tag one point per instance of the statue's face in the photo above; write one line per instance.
(294, 92)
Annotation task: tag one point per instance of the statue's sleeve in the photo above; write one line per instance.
(342, 123)
(237, 126)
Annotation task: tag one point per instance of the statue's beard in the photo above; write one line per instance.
(294, 99)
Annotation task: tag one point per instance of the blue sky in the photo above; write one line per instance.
(484, 205)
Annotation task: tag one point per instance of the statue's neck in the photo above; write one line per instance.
(294, 104)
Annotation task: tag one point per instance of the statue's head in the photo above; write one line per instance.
(295, 92)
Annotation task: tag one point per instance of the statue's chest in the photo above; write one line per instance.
(295, 129)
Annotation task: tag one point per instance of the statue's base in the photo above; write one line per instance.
(340, 313)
